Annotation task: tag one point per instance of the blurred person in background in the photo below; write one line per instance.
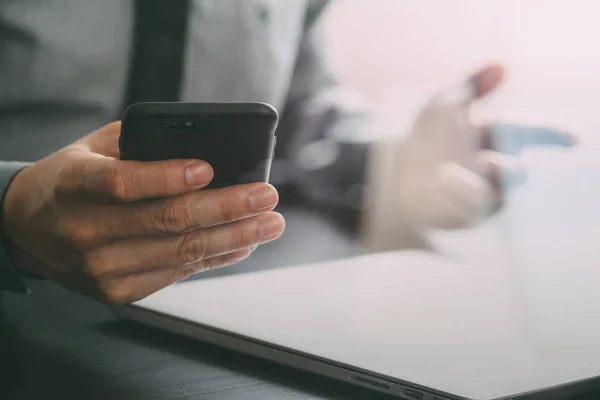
(117, 231)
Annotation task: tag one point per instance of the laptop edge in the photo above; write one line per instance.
(324, 367)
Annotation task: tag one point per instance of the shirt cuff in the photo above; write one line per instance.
(10, 279)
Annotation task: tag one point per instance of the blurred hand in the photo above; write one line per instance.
(118, 231)
(454, 174)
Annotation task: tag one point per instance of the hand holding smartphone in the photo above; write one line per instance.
(121, 230)
(237, 139)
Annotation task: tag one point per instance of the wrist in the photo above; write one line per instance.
(389, 222)
(11, 250)
(10, 277)
(5, 209)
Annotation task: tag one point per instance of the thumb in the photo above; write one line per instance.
(479, 85)
(104, 141)
(487, 80)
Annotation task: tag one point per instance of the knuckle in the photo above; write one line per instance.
(116, 185)
(240, 238)
(64, 186)
(79, 234)
(116, 294)
(227, 211)
(93, 265)
(191, 248)
(62, 189)
(174, 217)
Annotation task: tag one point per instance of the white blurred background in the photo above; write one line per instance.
(399, 52)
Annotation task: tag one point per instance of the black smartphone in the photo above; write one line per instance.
(236, 138)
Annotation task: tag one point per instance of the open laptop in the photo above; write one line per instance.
(512, 310)
(411, 324)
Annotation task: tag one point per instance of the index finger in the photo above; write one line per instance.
(513, 138)
(105, 179)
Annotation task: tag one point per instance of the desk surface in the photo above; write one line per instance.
(69, 347)
(66, 346)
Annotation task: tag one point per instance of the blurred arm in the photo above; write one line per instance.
(325, 124)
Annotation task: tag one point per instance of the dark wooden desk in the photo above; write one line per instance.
(68, 347)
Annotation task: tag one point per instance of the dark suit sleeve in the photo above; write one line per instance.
(319, 128)
(10, 279)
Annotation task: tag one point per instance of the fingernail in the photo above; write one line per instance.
(263, 198)
(271, 226)
(198, 173)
